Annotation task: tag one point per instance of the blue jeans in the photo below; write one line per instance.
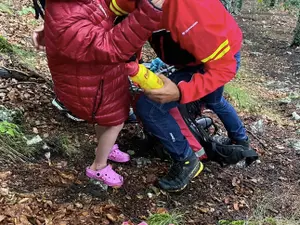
(158, 121)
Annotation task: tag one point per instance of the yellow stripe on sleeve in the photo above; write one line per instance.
(118, 7)
(216, 52)
(223, 53)
(114, 10)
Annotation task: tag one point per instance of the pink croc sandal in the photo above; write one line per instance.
(107, 175)
(117, 155)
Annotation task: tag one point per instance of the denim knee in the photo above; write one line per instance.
(143, 107)
(217, 105)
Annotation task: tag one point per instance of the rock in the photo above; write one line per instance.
(150, 195)
(285, 101)
(142, 161)
(256, 53)
(35, 130)
(79, 205)
(4, 191)
(295, 144)
(258, 127)
(12, 116)
(35, 140)
(295, 116)
(248, 42)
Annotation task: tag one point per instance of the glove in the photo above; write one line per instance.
(156, 64)
(122, 7)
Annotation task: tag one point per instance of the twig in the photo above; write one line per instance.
(257, 138)
(16, 71)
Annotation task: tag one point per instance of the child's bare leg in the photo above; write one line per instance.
(105, 143)
(99, 131)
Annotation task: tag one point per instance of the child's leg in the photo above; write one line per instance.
(106, 140)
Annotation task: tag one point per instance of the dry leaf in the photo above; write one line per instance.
(2, 217)
(4, 191)
(85, 213)
(226, 201)
(4, 175)
(236, 206)
(67, 176)
(35, 130)
(23, 200)
(204, 210)
(234, 182)
(111, 217)
(161, 211)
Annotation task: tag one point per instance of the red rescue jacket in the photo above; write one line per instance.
(209, 32)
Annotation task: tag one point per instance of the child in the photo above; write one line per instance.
(88, 56)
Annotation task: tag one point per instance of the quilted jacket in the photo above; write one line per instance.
(88, 55)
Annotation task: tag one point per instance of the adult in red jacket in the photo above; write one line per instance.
(203, 40)
(89, 60)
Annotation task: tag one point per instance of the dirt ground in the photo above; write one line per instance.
(39, 193)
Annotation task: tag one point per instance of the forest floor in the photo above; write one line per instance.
(266, 93)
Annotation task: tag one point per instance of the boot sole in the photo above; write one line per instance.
(198, 171)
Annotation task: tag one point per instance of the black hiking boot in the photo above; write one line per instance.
(180, 174)
(246, 144)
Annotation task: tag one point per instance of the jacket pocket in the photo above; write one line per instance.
(98, 99)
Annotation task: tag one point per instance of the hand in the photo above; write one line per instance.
(156, 64)
(157, 3)
(38, 38)
(168, 93)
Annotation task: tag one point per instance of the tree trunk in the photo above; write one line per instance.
(296, 41)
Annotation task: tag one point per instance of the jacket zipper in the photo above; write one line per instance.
(96, 107)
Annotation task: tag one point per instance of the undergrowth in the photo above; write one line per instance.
(165, 219)
(26, 57)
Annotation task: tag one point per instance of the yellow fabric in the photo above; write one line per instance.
(223, 53)
(114, 10)
(118, 7)
(217, 52)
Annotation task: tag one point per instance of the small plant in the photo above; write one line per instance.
(10, 129)
(5, 8)
(26, 11)
(165, 219)
(5, 47)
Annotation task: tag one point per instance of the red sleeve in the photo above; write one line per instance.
(84, 41)
(203, 32)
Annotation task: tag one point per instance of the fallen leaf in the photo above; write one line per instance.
(23, 200)
(85, 213)
(67, 176)
(79, 205)
(140, 196)
(2, 217)
(236, 206)
(111, 217)
(234, 182)
(4, 175)
(35, 130)
(226, 201)
(23, 220)
(254, 180)
(204, 210)
(4, 191)
(161, 211)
